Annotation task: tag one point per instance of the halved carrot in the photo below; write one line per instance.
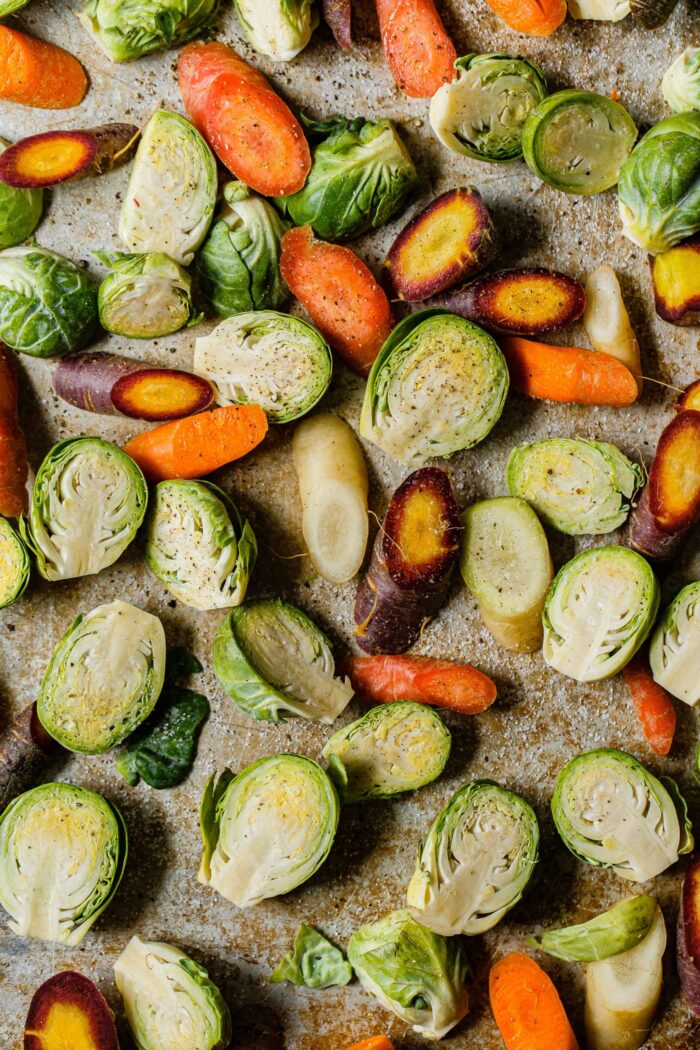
(345, 302)
(249, 127)
(567, 373)
(652, 704)
(442, 683)
(690, 398)
(526, 1006)
(36, 73)
(535, 17)
(418, 50)
(14, 466)
(375, 1042)
(196, 445)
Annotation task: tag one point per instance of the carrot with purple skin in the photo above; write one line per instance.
(52, 157)
(25, 747)
(690, 398)
(337, 15)
(688, 939)
(68, 1010)
(14, 466)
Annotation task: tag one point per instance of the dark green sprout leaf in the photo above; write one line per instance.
(315, 962)
(180, 662)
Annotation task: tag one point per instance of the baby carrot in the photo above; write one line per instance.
(567, 373)
(652, 704)
(418, 50)
(36, 73)
(383, 679)
(526, 1006)
(535, 17)
(375, 1042)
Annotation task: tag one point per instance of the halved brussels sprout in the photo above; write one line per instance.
(314, 963)
(62, 856)
(659, 188)
(600, 10)
(266, 358)
(577, 486)
(238, 264)
(48, 305)
(674, 652)
(393, 748)
(279, 29)
(438, 385)
(15, 567)
(613, 813)
(170, 199)
(476, 861)
(481, 114)
(170, 1001)
(198, 545)
(104, 678)
(614, 931)
(417, 974)
(275, 662)
(268, 829)
(146, 296)
(88, 502)
(126, 30)
(681, 82)
(20, 210)
(577, 141)
(600, 608)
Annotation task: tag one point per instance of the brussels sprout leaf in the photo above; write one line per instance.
(315, 962)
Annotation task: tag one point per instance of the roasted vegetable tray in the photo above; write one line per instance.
(540, 719)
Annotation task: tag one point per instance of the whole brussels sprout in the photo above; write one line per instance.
(20, 210)
(145, 296)
(127, 29)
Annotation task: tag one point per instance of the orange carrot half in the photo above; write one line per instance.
(418, 50)
(340, 292)
(567, 373)
(375, 1042)
(526, 1006)
(36, 73)
(196, 445)
(535, 17)
(652, 704)
(384, 679)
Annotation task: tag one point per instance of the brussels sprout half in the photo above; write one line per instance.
(417, 974)
(275, 663)
(481, 114)
(88, 502)
(476, 861)
(266, 358)
(613, 932)
(279, 29)
(674, 653)
(599, 10)
(438, 385)
(146, 296)
(268, 829)
(680, 86)
(577, 486)
(577, 141)
(393, 748)
(198, 545)
(600, 608)
(169, 1000)
(127, 30)
(62, 856)
(613, 813)
(20, 210)
(15, 567)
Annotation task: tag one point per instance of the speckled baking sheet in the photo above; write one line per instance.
(540, 718)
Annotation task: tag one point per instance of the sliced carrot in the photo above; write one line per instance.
(341, 294)
(418, 50)
(384, 679)
(567, 373)
(249, 127)
(36, 73)
(196, 445)
(375, 1042)
(535, 17)
(652, 704)
(526, 1006)
(14, 466)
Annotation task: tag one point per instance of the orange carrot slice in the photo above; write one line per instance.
(535, 17)
(527, 1007)
(652, 704)
(375, 1042)
(36, 73)
(418, 50)
(384, 679)
(567, 373)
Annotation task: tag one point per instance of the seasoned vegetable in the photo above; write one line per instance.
(315, 962)
(14, 565)
(580, 487)
(170, 199)
(10, 7)
(14, 466)
(88, 502)
(199, 545)
(607, 322)
(622, 993)
(62, 856)
(192, 447)
(127, 31)
(332, 477)
(338, 16)
(37, 73)
(20, 211)
(690, 398)
(568, 373)
(651, 14)
(418, 50)
(600, 10)
(612, 932)
(145, 296)
(237, 111)
(475, 861)
(534, 17)
(598, 612)
(25, 747)
(688, 937)
(446, 243)
(375, 1042)
(341, 294)
(437, 386)
(279, 29)
(121, 386)
(417, 974)
(412, 561)
(69, 1010)
(276, 663)
(681, 82)
(526, 1006)
(268, 829)
(652, 704)
(266, 358)
(48, 305)
(393, 748)
(613, 813)
(361, 177)
(169, 999)
(675, 646)
(675, 275)
(53, 157)
(659, 186)
(482, 113)
(385, 679)
(506, 564)
(238, 264)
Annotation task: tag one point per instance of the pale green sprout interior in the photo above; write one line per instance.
(674, 653)
(279, 29)
(599, 10)
(681, 82)
(14, 565)
(147, 296)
